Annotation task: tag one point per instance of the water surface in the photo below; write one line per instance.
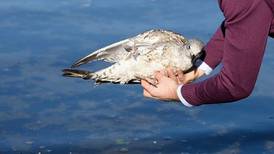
(40, 111)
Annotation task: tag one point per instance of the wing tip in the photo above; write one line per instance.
(84, 60)
(74, 65)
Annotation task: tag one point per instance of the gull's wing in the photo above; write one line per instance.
(111, 53)
(123, 49)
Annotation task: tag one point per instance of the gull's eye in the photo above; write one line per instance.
(188, 47)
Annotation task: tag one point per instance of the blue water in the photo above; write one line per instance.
(42, 112)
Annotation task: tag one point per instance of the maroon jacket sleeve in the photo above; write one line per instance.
(246, 27)
(214, 49)
(271, 6)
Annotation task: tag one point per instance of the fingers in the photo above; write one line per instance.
(191, 76)
(171, 74)
(148, 95)
(159, 75)
(151, 81)
(180, 77)
(147, 86)
(148, 89)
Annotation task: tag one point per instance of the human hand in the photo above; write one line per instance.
(166, 87)
(191, 76)
(168, 82)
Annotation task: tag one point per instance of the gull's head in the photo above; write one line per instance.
(195, 48)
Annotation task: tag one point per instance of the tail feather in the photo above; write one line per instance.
(77, 73)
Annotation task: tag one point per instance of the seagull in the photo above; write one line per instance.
(139, 57)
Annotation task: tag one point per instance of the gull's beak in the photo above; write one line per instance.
(201, 55)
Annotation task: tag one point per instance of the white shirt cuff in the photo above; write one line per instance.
(179, 94)
(204, 67)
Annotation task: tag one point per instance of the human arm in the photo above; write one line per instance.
(246, 29)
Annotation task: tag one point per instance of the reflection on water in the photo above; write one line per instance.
(40, 111)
